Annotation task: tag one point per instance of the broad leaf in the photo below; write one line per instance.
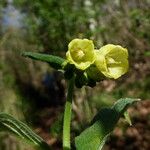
(55, 61)
(95, 136)
(8, 123)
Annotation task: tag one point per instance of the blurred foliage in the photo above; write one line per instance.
(27, 86)
(56, 22)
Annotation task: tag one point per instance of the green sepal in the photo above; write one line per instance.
(91, 83)
(80, 79)
(94, 74)
(69, 70)
(54, 61)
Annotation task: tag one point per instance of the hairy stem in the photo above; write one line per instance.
(67, 116)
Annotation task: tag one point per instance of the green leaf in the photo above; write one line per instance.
(95, 136)
(8, 123)
(55, 61)
(127, 118)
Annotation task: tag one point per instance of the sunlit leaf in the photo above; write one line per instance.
(95, 136)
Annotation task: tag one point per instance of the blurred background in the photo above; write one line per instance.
(35, 93)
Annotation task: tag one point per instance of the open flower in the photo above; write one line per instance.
(81, 53)
(112, 60)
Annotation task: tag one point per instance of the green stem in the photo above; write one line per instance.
(67, 116)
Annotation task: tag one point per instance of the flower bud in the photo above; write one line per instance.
(81, 53)
(112, 60)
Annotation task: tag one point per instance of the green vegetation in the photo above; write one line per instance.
(48, 26)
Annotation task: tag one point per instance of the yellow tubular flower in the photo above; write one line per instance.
(81, 53)
(112, 60)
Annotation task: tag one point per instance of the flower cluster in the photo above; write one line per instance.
(110, 60)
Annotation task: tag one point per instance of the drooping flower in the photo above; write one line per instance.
(81, 53)
(112, 60)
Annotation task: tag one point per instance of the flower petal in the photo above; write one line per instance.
(112, 60)
(81, 53)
